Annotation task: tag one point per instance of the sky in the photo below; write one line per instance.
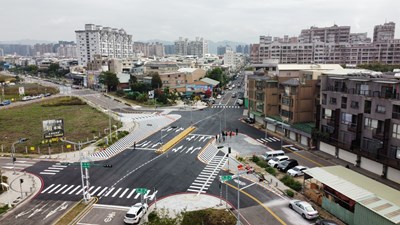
(216, 20)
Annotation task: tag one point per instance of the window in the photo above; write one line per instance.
(344, 102)
(367, 106)
(396, 112)
(346, 118)
(380, 109)
(354, 104)
(327, 113)
(332, 101)
(396, 131)
(370, 123)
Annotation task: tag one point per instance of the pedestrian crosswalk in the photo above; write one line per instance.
(268, 140)
(53, 169)
(208, 154)
(147, 126)
(186, 148)
(19, 164)
(203, 181)
(99, 191)
(225, 106)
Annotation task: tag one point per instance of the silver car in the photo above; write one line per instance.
(305, 209)
(297, 171)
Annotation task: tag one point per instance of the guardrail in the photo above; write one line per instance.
(175, 140)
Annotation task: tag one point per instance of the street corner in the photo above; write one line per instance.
(104, 214)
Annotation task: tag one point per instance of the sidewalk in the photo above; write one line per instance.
(19, 192)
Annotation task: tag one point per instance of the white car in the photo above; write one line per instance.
(276, 160)
(135, 213)
(297, 171)
(219, 96)
(305, 209)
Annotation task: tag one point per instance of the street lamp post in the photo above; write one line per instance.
(21, 140)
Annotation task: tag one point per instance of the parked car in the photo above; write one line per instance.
(135, 213)
(287, 164)
(219, 96)
(234, 95)
(297, 171)
(26, 98)
(249, 120)
(276, 160)
(5, 102)
(305, 209)
(325, 222)
(271, 154)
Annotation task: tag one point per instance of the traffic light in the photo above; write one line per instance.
(21, 181)
(107, 165)
(14, 159)
(229, 150)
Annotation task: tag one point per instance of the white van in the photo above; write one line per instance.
(271, 154)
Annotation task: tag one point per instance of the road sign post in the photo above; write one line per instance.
(142, 192)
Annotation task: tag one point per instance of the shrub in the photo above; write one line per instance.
(262, 164)
(289, 193)
(255, 159)
(240, 158)
(153, 216)
(271, 170)
(292, 183)
(120, 93)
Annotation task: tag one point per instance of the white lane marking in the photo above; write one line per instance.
(130, 194)
(60, 189)
(51, 171)
(54, 189)
(74, 189)
(67, 189)
(47, 188)
(95, 190)
(123, 193)
(101, 192)
(137, 196)
(45, 173)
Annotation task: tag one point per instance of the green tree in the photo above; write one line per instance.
(156, 80)
(140, 87)
(132, 80)
(218, 74)
(110, 80)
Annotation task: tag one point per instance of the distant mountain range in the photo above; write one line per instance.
(212, 45)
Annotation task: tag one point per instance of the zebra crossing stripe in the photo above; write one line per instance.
(109, 192)
(145, 195)
(47, 188)
(90, 189)
(123, 193)
(53, 189)
(67, 189)
(130, 194)
(115, 194)
(51, 171)
(95, 190)
(197, 191)
(80, 191)
(74, 189)
(101, 192)
(61, 189)
(55, 168)
(137, 196)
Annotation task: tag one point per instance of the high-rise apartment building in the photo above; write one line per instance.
(104, 41)
(156, 49)
(332, 45)
(384, 32)
(169, 49)
(41, 49)
(198, 47)
(333, 34)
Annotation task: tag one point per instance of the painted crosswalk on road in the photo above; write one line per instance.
(268, 140)
(100, 191)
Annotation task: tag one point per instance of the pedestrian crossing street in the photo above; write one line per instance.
(99, 191)
(147, 126)
(203, 181)
(225, 106)
(268, 139)
(19, 164)
(53, 169)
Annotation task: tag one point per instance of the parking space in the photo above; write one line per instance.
(104, 215)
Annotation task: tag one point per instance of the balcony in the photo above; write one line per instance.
(352, 127)
(337, 89)
(377, 134)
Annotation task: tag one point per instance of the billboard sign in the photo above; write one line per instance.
(21, 90)
(53, 128)
(197, 88)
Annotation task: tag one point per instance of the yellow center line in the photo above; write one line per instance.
(260, 203)
(304, 157)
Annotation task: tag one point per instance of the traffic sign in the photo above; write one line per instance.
(141, 190)
(225, 178)
(86, 165)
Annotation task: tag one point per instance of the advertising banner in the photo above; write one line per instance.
(53, 128)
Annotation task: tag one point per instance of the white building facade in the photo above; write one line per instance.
(104, 41)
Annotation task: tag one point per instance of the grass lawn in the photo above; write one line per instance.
(81, 122)
(67, 218)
